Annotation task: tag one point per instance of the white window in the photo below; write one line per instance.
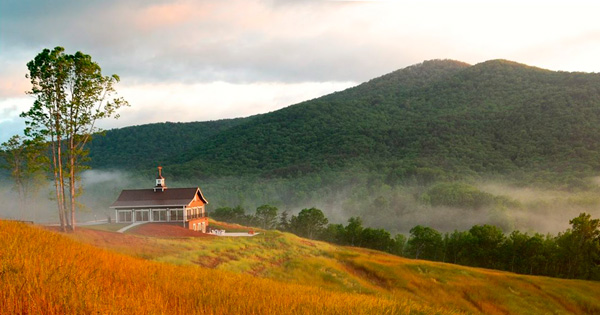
(141, 215)
(124, 216)
(159, 215)
(176, 215)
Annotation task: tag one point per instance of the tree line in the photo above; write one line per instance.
(574, 253)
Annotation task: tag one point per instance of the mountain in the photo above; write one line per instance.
(148, 145)
(437, 119)
(423, 145)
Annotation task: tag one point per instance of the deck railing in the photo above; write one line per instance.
(196, 216)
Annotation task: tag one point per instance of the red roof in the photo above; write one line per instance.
(172, 197)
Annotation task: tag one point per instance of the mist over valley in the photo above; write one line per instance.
(441, 143)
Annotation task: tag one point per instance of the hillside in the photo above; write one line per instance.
(526, 135)
(440, 118)
(255, 275)
(42, 272)
(145, 146)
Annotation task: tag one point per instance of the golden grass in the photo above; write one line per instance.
(477, 290)
(230, 227)
(43, 272)
(287, 258)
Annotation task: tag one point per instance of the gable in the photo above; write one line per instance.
(200, 196)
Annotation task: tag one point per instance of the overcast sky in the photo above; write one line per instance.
(205, 60)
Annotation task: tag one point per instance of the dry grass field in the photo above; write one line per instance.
(102, 272)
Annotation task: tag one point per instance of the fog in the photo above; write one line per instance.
(398, 209)
(101, 188)
(394, 208)
(38, 208)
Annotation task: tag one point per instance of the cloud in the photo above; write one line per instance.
(212, 101)
(234, 41)
(182, 46)
(247, 41)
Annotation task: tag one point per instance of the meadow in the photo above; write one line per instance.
(44, 272)
(385, 283)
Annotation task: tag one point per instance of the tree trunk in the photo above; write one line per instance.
(55, 170)
(418, 252)
(72, 181)
(18, 177)
(61, 182)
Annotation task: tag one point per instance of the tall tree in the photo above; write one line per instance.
(284, 223)
(353, 231)
(71, 95)
(424, 242)
(309, 223)
(266, 215)
(486, 242)
(47, 73)
(581, 247)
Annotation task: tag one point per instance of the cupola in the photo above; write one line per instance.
(160, 181)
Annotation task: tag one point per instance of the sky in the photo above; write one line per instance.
(183, 60)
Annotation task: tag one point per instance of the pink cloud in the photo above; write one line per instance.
(170, 14)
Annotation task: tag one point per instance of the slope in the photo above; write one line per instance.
(145, 146)
(306, 137)
(496, 117)
(289, 259)
(42, 272)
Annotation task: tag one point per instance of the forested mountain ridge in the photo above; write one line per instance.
(437, 119)
(146, 145)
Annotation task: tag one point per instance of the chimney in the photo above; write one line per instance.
(160, 181)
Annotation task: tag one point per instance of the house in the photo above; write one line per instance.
(162, 204)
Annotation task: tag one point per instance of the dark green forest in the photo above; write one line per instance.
(439, 120)
(146, 146)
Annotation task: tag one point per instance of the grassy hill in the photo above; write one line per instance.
(46, 273)
(271, 272)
